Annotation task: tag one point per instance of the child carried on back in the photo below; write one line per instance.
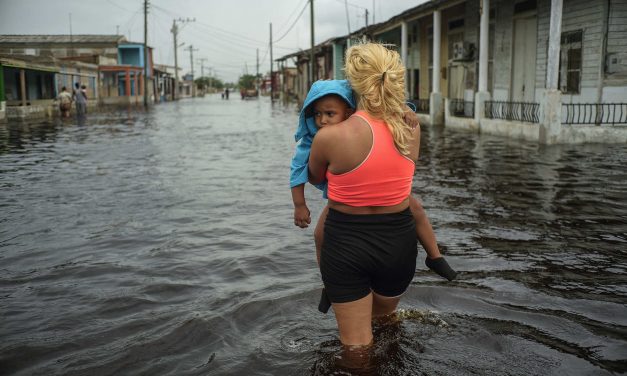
(330, 102)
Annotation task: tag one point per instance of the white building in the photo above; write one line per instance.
(553, 71)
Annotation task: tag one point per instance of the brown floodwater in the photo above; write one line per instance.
(162, 243)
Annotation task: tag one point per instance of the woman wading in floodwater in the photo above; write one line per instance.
(369, 252)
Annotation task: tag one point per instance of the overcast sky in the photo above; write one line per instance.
(227, 33)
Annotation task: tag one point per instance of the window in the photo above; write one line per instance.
(456, 24)
(525, 6)
(570, 62)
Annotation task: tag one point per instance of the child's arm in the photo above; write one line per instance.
(410, 117)
(302, 216)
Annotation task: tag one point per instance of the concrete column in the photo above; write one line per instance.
(483, 45)
(127, 83)
(483, 95)
(480, 98)
(436, 105)
(404, 54)
(551, 121)
(23, 86)
(551, 99)
(437, 32)
(136, 84)
(555, 33)
(436, 109)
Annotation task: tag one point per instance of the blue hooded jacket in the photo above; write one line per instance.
(307, 128)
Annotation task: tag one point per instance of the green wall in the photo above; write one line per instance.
(1, 83)
(338, 64)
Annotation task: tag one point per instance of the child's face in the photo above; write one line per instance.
(330, 110)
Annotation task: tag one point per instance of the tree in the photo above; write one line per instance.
(206, 82)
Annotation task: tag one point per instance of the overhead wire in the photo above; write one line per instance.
(223, 34)
(293, 24)
(226, 39)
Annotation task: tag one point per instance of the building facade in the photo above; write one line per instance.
(553, 71)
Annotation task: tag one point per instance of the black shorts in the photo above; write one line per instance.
(370, 252)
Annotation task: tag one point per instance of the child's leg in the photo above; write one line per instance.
(319, 232)
(424, 231)
(325, 303)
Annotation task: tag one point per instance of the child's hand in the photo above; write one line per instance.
(410, 118)
(302, 217)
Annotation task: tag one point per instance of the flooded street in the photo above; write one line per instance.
(162, 243)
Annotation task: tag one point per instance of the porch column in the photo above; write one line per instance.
(127, 83)
(437, 33)
(404, 55)
(555, 33)
(483, 95)
(23, 86)
(551, 125)
(136, 84)
(483, 45)
(436, 108)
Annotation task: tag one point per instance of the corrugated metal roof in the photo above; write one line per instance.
(27, 62)
(66, 38)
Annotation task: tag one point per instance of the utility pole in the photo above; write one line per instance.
(191, 60)
(271, 63)
(257, 74)
(366, 17)
(202, 67)
(175, 31)
(312, 54)
(145, 53)
(71, 42)
(373, 12)
(211, 78)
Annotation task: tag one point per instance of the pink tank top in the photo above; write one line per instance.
(384, 178)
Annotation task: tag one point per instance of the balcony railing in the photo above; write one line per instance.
(594, 113)
(516, 111)
(461, 108)
(422, 105)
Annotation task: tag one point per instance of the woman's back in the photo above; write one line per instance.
(382, 178)
(358, 181)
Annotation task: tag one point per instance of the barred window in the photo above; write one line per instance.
(570, 62)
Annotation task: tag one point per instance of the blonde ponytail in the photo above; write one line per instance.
(378, 77)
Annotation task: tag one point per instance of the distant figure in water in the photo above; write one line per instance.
(80, 97)
(226, 93)
(368, 254)
(65, 102)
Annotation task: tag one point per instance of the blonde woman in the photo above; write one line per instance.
(368, 256)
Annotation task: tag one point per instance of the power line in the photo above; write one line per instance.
(225, 34)
(291, 14)
(230, 33)
(293, 24)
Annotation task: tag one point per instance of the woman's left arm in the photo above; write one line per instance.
(318, 161)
